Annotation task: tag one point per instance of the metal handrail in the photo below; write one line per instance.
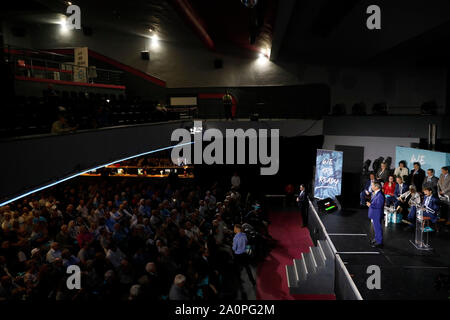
(337, 256)
(61, 70)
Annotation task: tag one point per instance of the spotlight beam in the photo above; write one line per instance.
(86, 171)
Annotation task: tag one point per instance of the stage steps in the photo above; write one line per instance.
(313, 273)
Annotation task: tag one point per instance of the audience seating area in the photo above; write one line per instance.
(131, 240)
(35, 115)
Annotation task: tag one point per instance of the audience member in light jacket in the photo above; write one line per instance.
(402, 170)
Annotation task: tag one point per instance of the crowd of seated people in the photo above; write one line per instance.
(131, 241)
(406, 192)
(64, 111)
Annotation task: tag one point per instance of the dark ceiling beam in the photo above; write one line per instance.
(189, 13)
(331, 15)
(429, 48)
(284, 12)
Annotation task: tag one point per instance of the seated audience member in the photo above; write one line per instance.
(61, 125)
(431, 181)
(402, 171)
(410, 199)
(417, 176)
(178, 291)
(444, 183)
(430, 207)
(444, 193)
(389, 191)
(367, 192)
(400, 189)
(120, 241)
(383, 173)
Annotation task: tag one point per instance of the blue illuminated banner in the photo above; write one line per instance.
(328, 180)
(427, 159)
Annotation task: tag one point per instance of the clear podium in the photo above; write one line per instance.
(391, 216)
(421, 239)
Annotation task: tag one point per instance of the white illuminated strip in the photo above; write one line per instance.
(86, 171)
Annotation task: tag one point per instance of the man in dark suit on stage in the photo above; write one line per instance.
(367, 192)
(417, 176)
(376, 214)
(302, 201)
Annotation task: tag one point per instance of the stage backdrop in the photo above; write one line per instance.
(427, 159)
(328, 178)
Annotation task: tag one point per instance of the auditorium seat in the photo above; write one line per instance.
(35, 115)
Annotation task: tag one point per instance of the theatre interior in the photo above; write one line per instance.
(226, 150)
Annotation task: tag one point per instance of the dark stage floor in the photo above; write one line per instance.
(406, 273)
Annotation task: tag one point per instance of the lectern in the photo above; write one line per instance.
(421, 237)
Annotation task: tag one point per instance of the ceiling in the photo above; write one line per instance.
(335, 32)
(325, 32)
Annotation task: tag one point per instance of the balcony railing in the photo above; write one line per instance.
(43, 65)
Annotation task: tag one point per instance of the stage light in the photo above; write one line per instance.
(264, 55)
(328, 205)
(63, 23)
(154, 41)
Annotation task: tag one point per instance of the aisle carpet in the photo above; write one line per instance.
(292, 240)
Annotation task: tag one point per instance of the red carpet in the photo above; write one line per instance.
(292, 241)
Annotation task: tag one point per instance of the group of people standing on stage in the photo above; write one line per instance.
(406, 192)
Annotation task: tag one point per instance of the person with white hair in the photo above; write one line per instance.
(135, 292)
(150, 282)
(53, 253)
(115, 255)
(178, 290)
(235, 180)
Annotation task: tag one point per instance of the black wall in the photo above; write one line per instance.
(297, 159)
(299, 101)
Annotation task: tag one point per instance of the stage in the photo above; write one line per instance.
(406, 273)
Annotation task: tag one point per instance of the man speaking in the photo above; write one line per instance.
(376, 213)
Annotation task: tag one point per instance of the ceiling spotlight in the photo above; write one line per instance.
(264, 54)
(69, 3)
(154, 41)
(63, 23)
